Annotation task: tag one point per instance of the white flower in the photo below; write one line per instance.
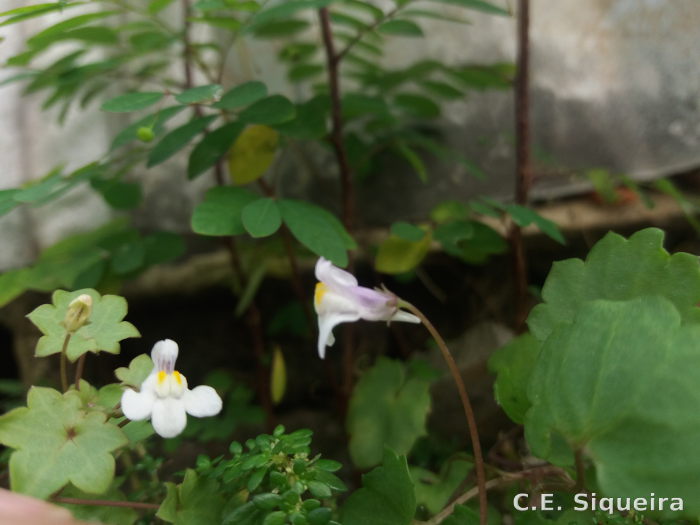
(339, 299)
(165, 398)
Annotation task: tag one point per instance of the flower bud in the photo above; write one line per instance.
(78, 313)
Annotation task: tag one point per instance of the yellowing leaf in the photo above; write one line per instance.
(398, 255)
(278, 380)
(252, 154)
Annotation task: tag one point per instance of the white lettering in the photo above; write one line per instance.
(581, 501)
(516, 502)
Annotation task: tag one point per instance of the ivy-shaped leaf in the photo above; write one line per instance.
(137, 371)
(56, 441)
(513, 365)
(195, 501)
(388, 408)
(386, 495)
(103, 331)
(619, 269)
(621, 382)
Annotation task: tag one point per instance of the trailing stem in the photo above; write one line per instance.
(64, 371)
(80, 368)
(523, 173)
(466, 405)
(505, 479)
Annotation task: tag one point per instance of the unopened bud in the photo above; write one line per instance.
(78, 313)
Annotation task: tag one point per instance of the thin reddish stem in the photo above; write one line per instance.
(466, 405)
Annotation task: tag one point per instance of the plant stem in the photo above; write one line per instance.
(346, 184)
(107, 503)
(64, 372)
(368, 29)
(523, 173)
(80, 368)
(493, 483)
(466, 404)
(336, 135)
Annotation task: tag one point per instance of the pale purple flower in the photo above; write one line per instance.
(164, 396)
(339, 299)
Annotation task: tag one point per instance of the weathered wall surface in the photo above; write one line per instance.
(615, 84)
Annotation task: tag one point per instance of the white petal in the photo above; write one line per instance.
(169, 417)
(137, 405)
(202, 401)
(164, 355)
(333, 276)
(406, 317)
(326, 323)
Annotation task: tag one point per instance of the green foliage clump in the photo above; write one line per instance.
(272, 480)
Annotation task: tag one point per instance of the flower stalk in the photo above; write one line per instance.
(64, 371)
(466, 404)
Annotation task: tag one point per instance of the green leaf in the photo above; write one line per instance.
(386, 496)
(196, 501)
(25, 13)
(274, 109)
(401, 28)
(162, 247)
(156, 122)
(619, 269)
(156, 6)
(13, 283)
(622, 383)
(56, 31)
(224, 22)
(397, 255)
(388, 408)
(285, 10)
(280, 28)
(252, 154)
(310, 122)
(119, 195)
(57, 442)
(261, 218)
(414, 160)
(417, 105)
(513, 365)
(132, 102)
(242, 95)
(442, 89)
(302, 72)
(523, 216)
(471, 241)
(219, 213)
(478, 5)
(212, 148)
(128, 257)
(102, 333)
(317, 229)
(199, 94)
(407, 231)
(434, 491)
(177, 139)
